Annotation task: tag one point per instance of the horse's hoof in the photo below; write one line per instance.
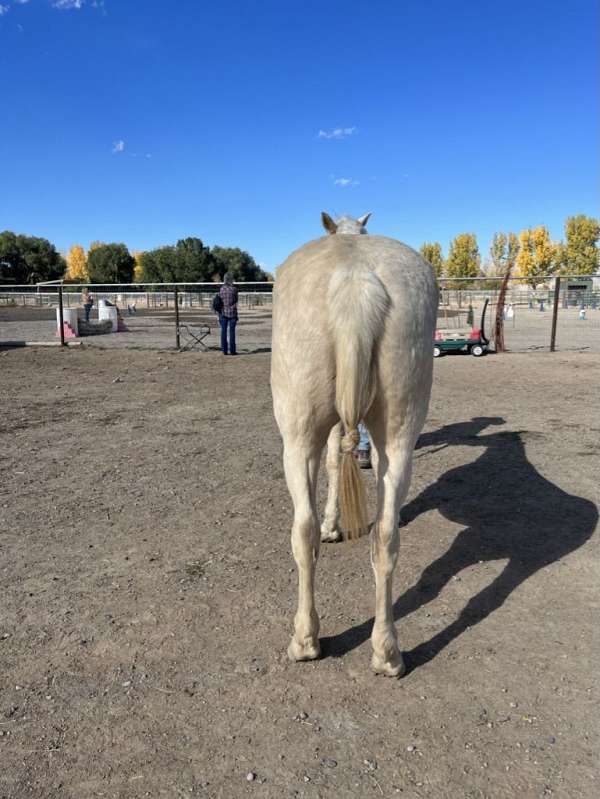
(392, 667)
(308, 650)
(330, 536)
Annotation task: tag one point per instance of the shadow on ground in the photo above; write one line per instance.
(509, 512)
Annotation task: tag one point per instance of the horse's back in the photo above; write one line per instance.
(302, 284)
(303, 349)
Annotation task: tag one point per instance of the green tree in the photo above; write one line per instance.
(110, 263)
(463, 258)
(158, 265)
(238, 262)
(194, 262)
(432, 252)
(189, 261)
(503, 252)
(29, 259)
(580, 253)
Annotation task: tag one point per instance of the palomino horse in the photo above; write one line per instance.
(353, 324)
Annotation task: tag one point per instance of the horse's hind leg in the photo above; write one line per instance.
(330, 529)
(394, 469)
(301, 462)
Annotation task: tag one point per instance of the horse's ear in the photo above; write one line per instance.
(362, 220)
(328, 223)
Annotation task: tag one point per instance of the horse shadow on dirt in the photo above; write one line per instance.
(509, 511)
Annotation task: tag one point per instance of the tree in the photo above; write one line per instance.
(158, 265)
(503, 252)
(580, 254)
(432, 252)
(138, 272)
(28, 259)
(537, 256)
(110, 263)
(238, 262)
(76, 265)
(194, 263)
(189, 261)
(463, 258)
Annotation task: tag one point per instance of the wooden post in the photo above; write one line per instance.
(177, 343)
(60, 315)
(554, 313)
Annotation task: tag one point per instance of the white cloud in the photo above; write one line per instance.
(337, 133)
(118, 146)
(346, 182)
(65, 5)
(3, 9)
(21, 2)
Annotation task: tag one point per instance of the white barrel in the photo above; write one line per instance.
(108, 312)
(70, 317)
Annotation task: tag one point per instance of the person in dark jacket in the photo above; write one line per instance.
(229, 315)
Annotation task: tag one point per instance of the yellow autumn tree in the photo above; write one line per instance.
(76, 265)
(580, 253)
(138, 269)
(432, 252)
(538, 256)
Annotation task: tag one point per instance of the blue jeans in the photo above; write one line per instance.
(364, 443)
(227, 322)
(87, 308)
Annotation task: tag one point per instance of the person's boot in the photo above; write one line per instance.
(363, 457)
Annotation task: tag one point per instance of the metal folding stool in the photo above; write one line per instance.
(194, 336)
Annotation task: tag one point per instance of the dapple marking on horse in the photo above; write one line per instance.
(353, 323)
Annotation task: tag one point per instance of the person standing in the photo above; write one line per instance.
(229, 315)
(363, 451)
(87, 301)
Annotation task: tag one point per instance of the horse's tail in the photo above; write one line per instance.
(358, 304)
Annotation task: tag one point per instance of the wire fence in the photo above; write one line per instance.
(569, 304)
(146, 316)
(169, 315)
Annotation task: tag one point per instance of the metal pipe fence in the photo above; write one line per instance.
(155, 315)
(559, 315)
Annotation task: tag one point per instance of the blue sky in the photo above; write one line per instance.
(144, 122)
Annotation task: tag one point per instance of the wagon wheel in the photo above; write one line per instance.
(436, 352)
(477, 350)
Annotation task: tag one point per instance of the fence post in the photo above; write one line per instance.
(176, 296)
(60, 315)
(554, 313)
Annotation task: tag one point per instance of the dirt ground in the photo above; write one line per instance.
(148, 589)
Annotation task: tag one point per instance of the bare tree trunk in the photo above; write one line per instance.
(499, 326)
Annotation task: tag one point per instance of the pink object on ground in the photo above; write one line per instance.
(68, 331)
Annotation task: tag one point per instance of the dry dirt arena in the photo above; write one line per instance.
(148, 589)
